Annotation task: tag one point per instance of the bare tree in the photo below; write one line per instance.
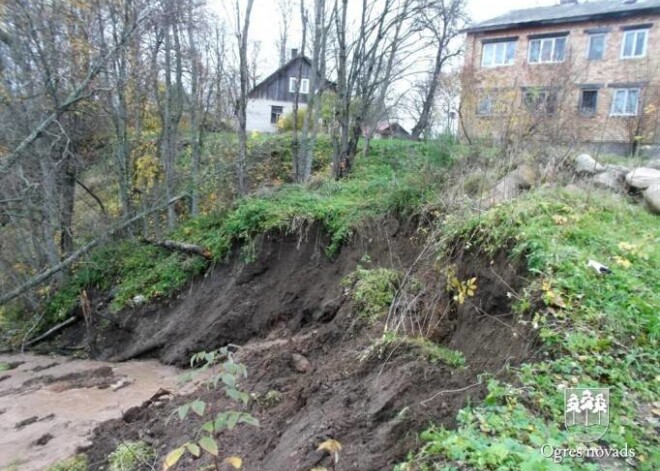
(443, 19)
(242, 30)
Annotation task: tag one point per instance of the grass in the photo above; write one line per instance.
(75, 463)
(372, 290)
(130, 456)
(420, 347)
(397, 176)
(596, 331)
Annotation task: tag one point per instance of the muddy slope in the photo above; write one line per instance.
(289, 302)
(290, 283)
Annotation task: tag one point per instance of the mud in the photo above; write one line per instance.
(310, 371)
(46, 418)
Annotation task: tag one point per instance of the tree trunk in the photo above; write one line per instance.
(242, 35)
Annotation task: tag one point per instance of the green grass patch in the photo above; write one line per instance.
(75, 463)
(130, 456)
(391, 343)
(596, 331)
(372, 290)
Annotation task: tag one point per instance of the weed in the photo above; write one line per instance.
(372, 290)
(130, 455)
(223, 370)
(75, 463)
(417, 346)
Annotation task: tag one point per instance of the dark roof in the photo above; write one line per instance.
(274, 75)
(567, 13)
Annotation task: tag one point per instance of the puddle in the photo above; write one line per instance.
(49, 405)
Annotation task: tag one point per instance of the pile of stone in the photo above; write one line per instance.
(644, 180)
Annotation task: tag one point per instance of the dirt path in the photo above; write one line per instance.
(49, 405)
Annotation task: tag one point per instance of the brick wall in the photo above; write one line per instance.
(507, 83)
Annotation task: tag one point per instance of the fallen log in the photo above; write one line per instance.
(52, 331)
(40, 278)
(181, 247)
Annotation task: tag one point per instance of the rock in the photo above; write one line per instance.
(300, 363)
(643, 177)
(525, 175)
(654, 164)
(612, 179)
(584, 163)
(509, 187)
(652, 198)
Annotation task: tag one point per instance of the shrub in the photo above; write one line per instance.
(373, 290)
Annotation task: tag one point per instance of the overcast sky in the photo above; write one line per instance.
(265, 21)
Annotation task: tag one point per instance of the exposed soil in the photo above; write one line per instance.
(306, 354)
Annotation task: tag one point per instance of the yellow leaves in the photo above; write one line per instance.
(550, 297)
(332, 447)
(560, 220)
(636, 250)
(461, 289)
(622, 262)
(234, 461)
(173, 458)
(147, 171)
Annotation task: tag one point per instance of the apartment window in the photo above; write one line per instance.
(625, 102)
(276, 113)
(588, 102)
(498, 53)
(545, 50)
(596, 49)
(485, 105)
(304, 85)
(540, 101)
(634, 43)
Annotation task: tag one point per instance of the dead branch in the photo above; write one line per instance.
(52, 331)
(5, 298)
(181, 247)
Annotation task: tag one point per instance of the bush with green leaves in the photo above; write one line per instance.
(225, 372)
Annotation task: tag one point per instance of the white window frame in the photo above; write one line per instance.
(293, 83)
(635, 32)
(552, 60)
(304, 86)
(627, 92)
(591, 37)
(494, 45)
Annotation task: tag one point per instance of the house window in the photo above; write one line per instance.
(276, 113)
(588, 102)
(304, 85)
(625, 102)
(485, 105)
(498, 53)
(540, 101)
(634, 43)
(547, 50)
(596, 49)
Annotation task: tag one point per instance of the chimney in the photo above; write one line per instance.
(294, 53)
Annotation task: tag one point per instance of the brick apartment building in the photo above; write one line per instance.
(575, 72)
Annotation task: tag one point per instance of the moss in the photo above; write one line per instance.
(75, 463)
